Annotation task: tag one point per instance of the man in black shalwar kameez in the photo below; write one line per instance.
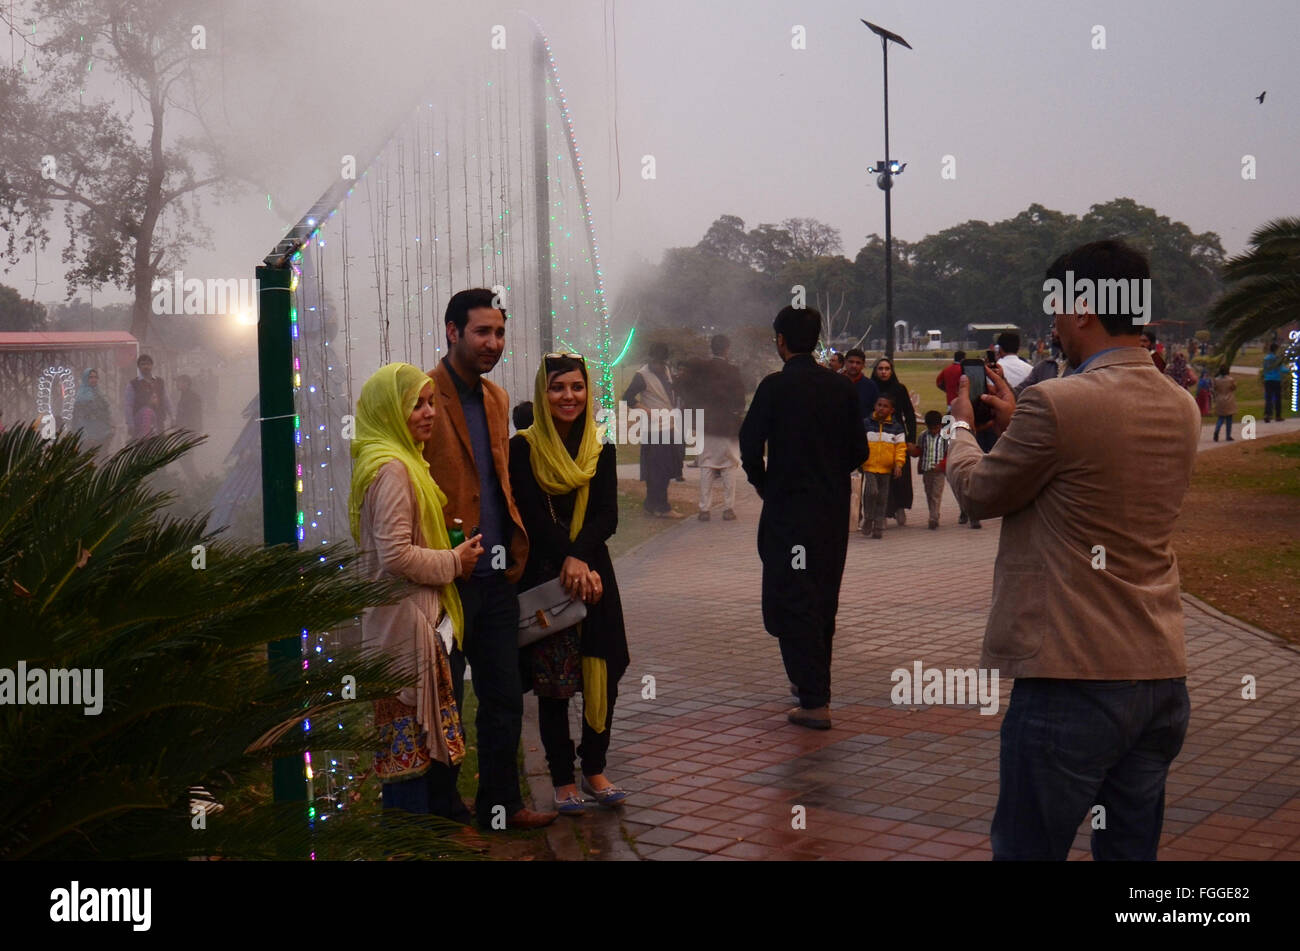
(809, 420)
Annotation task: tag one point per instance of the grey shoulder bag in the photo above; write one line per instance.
(547, 608)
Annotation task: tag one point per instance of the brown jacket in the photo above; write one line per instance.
(1225, 395)
(1099, 458)
(451, 461)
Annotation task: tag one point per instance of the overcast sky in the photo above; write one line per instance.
(741, 123)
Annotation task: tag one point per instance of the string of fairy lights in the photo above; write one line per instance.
(448, 202)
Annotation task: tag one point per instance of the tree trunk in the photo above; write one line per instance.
(144, 267)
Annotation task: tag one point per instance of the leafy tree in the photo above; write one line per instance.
(1263, 291)
(17, 314)
(1185, 266)
(692, 287)
(810, 238)
(127, 198)
(95, 575)
(77, 315)
(770, 248)
(830, 285)
(726, 239)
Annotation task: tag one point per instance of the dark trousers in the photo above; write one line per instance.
(807, 659)
(434, 793)
(872, 500)
(1219, 425)
(1071, 745)
(491, 646)
(659, 467)
(553, 723)
(1272, 399)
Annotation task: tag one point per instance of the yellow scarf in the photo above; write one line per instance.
(387, 400)
(558, 473)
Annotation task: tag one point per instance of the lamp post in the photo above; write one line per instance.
(886, 170)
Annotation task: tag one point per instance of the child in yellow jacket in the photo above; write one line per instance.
(887, 445)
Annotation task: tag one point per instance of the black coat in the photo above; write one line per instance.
(808, 418)
(603, 634)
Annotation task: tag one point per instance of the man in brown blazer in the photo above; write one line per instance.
(1088, 477)
(469, 457)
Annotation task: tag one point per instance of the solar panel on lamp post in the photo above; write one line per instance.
(886, 170)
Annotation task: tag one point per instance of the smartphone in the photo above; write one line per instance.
(975, 372)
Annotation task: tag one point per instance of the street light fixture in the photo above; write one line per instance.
(886, 169)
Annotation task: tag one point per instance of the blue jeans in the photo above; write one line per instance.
(1272, 399)
(1219, 425)
(1071, 745)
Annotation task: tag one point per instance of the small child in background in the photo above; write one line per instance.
(887, 442)
(932, 448)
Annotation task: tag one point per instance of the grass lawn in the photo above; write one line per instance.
(634, 527)
(1236, 538)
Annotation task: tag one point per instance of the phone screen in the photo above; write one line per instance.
(974, 371)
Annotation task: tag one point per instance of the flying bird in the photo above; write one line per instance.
(1261, 96)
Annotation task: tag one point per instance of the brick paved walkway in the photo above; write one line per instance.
(716, 770)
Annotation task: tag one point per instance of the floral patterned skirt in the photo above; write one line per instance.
(405, 753)
(557, 664)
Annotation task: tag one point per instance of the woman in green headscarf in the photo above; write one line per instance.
(90, 412)
(565, 483)
(395, 510)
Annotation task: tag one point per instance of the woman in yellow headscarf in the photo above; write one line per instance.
(565, 483)
(395, 509)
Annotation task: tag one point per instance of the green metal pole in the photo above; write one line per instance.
(279, 502)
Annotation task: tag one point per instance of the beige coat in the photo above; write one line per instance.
(393, 547)
(1225, 395)
(1099, 458)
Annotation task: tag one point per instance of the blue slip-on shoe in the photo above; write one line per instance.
(570, 805)
(609, 796)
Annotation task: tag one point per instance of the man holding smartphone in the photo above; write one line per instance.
(1089, 476)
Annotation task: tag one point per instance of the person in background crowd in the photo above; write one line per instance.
(147, 409)
(469, 457)
(1271, 372)
(1148, 337)
(932, 462)
(900, 488)
(1048, 368)
(1179, 372)
(189, 415)
(1014, 369)
(395, 511)
(949, 375)
(1225, 400)
(836, 361)
(565, 482)
(715, 387)
(1205, 392)
(801, 438)
(522, 415)
(90, 413)
(887, 455)
(855, 363)
(652, 389)
(1100, 706)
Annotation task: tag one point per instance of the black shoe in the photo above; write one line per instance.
(963, 520)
